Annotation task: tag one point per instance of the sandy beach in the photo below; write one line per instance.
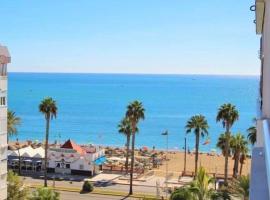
(213, 164)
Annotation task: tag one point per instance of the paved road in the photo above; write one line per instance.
(116, 187)
(77, 196)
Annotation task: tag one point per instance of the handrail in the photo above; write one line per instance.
(266, 139)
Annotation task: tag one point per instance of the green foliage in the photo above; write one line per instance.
(48, 108)
(240, 187)
(222, 142)
(87, 187)
(45, 193)
(252, 134)
(12, 123)
(201, 186)
(16, 189)
(221, 194)
(182, 193)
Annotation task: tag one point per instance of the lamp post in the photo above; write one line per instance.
(166, 178)
(185, 157)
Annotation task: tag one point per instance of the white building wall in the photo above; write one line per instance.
(4, 59)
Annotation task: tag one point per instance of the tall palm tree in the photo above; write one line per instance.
(135, 113)
(228, 115)
(12, 123)
(125, 128)
(238, 145)
(198, 124)
(200, 187)
(49, 109)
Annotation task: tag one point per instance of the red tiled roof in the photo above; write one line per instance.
(69, 144)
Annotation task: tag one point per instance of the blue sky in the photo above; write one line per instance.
(139, 36)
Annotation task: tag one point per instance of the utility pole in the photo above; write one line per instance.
(166, 178)
(185, 157)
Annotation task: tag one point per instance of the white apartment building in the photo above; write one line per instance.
(260, 168)
(4, 60)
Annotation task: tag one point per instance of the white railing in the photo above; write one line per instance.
(266, 139)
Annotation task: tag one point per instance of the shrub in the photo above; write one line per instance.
(87, 187)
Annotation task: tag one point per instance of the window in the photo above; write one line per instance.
(67, 166)
(2, 101)
(81, 167)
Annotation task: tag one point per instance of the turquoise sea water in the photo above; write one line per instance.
(91, 105)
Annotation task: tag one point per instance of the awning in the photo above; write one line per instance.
(100, 160)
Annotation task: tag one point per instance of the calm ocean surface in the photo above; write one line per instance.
(91, 105)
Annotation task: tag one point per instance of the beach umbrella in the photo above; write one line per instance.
(145, 148)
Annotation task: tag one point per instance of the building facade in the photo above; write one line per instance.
(4, 60)
(260, 167)
(71, 158)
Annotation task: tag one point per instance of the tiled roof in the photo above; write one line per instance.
(69, 144)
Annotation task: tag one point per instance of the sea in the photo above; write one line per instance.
(90, 106)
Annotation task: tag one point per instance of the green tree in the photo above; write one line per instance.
(243, 158)
(125, 128)
(12, 122)
(222, 143)
(182, 193)
(228, 115)
(201, 186)
(45, 193)
(240, 187)
(238, 146)
(252, 134)
(15, 187)
(198, 124)
(49, 109)
(135, 113)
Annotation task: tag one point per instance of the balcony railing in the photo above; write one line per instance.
(266, 141)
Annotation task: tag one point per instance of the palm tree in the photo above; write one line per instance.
(240, 187)
(125, 128)
(49, 109)
(198, 124)
(238, 145)
(182, 193)
(221, 143)
(252, 134)
(243, 158)
(228, 115)
(135, 112)
(12, 123)
(200, 187)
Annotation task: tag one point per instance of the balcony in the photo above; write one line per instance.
(260, 167)
(3, 83)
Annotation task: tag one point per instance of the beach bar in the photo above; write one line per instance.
(71, 158)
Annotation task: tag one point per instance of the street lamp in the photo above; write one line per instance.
(166, 178)
(185, 157)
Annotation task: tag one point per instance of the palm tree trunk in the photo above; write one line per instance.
(226, 155)
(197, 152)
(132, 163)
(236, 165)
(241, 168)
(127, 153)
(46, 150)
